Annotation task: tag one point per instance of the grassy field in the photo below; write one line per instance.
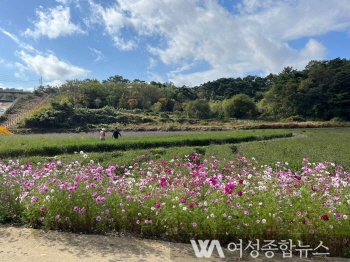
(315, 144)
(50, 145)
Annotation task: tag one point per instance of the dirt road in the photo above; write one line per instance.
(31, 245)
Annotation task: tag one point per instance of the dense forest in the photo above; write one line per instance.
(319, 92)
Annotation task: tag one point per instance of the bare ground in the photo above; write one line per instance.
(26, 245)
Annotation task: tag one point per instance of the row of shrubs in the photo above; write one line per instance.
(145, 143)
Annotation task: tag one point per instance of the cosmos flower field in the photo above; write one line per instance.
(184, 198)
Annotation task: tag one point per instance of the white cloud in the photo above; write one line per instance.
(152, 63)
(16, 40)
(54, 83)
(313, 50)
(50, 67)
(3, 87)
(254, 37)
(285, 20)
(64, 2)
(53, 23)
(98, 54)
(113, 20)
(120, 43)
(21, 70)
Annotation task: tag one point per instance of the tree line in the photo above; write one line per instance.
(321, 91)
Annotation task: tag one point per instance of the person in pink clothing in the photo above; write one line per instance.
(103, 134)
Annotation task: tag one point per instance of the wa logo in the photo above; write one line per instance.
(206, 251)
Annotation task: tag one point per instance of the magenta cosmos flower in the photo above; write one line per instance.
(325, 217)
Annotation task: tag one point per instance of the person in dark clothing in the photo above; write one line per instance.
(116, 133)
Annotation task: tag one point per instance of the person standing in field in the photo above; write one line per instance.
(116, 133)
(103, 134)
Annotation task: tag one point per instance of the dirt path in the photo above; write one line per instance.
(31, 245)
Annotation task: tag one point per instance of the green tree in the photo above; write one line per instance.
(284, 99)
(198, 108)
(240, 106)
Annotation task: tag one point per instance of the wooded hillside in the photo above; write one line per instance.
(319, 92)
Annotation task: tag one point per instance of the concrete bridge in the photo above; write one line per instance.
(13, 91)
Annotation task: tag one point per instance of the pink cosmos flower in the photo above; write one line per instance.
(98, 218)
(298, 213)
(34, 199)
(229, 188)
(183, 200)
(100, 199)
(162, 182)
(338, 215)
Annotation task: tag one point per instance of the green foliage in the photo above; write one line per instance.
(216, 109)
(240, 106)
(337, 119)
(156, 107)
(60, 116)
(198, 108)
(319, 92)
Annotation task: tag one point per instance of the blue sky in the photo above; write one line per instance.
(186, 42)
